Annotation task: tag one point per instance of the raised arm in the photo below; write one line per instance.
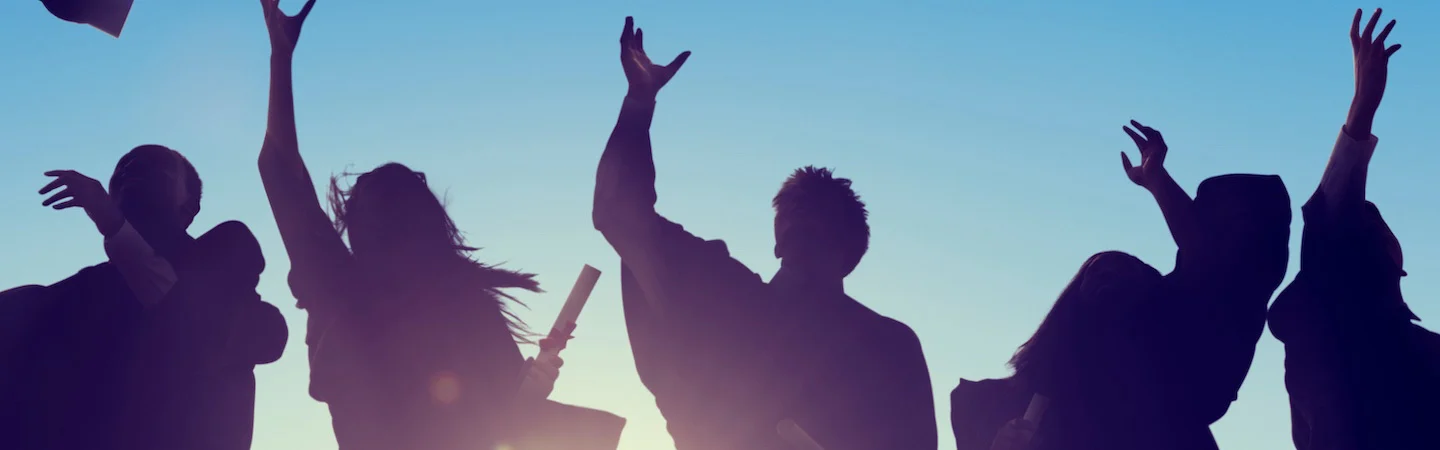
(624, 208)
(1175, 204)
(625, 182)
(310, 240)
(1343, 183)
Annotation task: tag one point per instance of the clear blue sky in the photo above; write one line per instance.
(983, 133)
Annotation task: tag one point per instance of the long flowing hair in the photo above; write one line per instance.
(414, 213)
(1084, 328)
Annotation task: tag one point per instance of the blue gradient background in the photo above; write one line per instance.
(984, 134)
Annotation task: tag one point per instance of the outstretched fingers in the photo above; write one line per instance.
(1139, 141)
(1355, 27)
(1380, 40)
(1150, 133)
(63, 194)
(1370, 26)
(62, 177)
(628, 32)
(639, 42)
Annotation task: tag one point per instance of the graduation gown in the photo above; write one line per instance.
(728, 357)
(437, 371)
(1197, 333)
(1360, 373)
(105, 373)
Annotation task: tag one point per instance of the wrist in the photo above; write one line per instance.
(282, 56)
(1155, 179)
(109, 223)
(638, 97)
(1359, 121)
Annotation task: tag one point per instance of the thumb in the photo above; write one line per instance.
(305, 11)
(674, 66)
(1125, 161)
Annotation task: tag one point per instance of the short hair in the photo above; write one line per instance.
(193, 186)
(817, 192)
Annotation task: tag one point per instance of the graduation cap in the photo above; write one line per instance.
(107, 15)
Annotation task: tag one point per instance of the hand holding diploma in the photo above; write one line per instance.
(1019, 434)
(542, 371)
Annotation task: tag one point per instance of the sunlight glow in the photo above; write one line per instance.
(445, 387)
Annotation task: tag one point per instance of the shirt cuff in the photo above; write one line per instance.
(150, 276)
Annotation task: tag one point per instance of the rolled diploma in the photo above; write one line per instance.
(1036, 410)
(575, 302)
(792, 433)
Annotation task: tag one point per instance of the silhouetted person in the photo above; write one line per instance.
(727, 355)
(1195, 332)
(410, 341)
(1361, 374)
(106, 15)
(1085, 357)
(154, 349)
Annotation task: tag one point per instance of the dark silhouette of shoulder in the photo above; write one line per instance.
(978, 409)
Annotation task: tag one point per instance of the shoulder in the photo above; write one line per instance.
(103, 275)
(887, 335)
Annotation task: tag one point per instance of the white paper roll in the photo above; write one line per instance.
(576, 301)
(796, 436)
(1036, 410)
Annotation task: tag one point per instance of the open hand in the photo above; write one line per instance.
(284, 30)
(1372, 60)
(86, 193)
(645, 77)
(1152, 154)
(1018, 434)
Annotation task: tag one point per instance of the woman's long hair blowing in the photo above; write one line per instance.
(1087, 327)
(391, 211)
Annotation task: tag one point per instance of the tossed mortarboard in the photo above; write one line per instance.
(107, 15)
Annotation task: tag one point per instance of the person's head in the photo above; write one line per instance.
(1247, 221)
(400, 233)
(393, 220)
(820, 224)
(1087, 334)
(155, 186)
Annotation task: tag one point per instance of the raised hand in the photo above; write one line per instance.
(1372, 60)
(86, 193)
(1152, 154)
(284, 30)
(645, 77)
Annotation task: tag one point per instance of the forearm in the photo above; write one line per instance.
(1177, 207)
(625, 181)
(1343, 182)
(306, 231)
(148, 275)
(280, 134)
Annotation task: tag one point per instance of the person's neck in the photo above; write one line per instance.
(790, 278)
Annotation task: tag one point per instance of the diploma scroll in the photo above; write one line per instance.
(108, 16)
(1036, 410)
(574, 303)
(796, 436)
